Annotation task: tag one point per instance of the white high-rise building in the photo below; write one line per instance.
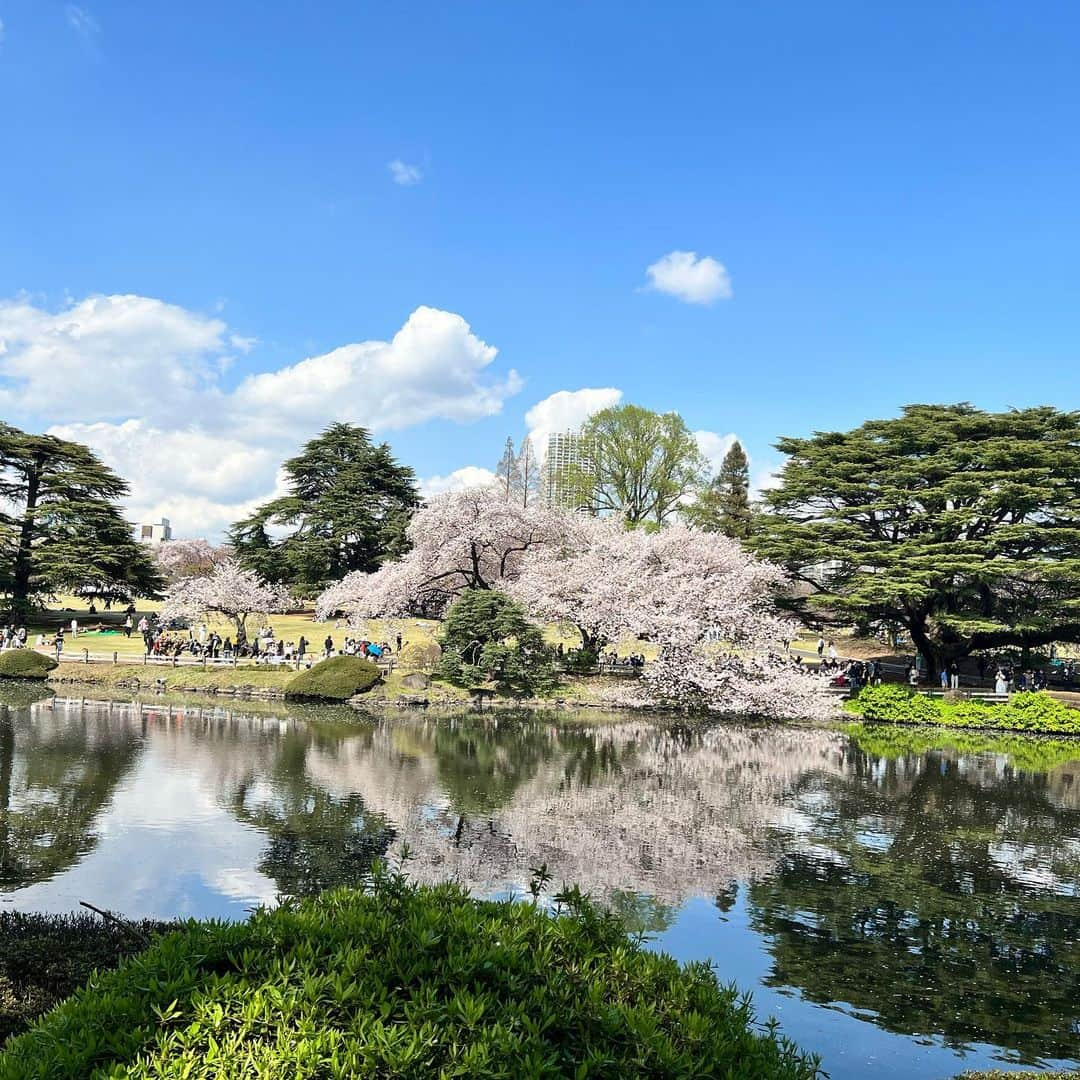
(569, 454)
(155, 532)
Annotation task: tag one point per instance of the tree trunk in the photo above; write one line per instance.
(930, 655)
(20, 585)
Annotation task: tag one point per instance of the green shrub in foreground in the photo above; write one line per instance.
(399, 980)
(25, 664)
(1036, 713)
(336, 679)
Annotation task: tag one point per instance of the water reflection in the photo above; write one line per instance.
(927, 885)
(937, 894)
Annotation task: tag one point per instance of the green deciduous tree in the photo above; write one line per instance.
(642, 464)
(60, 527)
(487, 638)
(347, 508)
(724, 505)
(958, 525)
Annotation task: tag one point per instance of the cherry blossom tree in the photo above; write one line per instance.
(178, 559)
(470, 539)
(228, 591)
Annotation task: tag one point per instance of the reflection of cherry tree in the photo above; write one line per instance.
(630, 808)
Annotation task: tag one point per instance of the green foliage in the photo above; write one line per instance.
(60, 527)
(1037, 713)
(405, 981)
(724, 505)
(46, 958)
(960, 526)
(25, 664)
(487, 638)
(348, 506)
(336, 679)
(642, 464)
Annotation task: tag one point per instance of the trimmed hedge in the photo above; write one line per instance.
(1036, 713)
(25, 664)
(336, 679)
(400, 980)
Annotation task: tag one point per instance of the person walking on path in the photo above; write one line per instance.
(913, 677)
(820, 647)
(944, 678)
(328, 645)
(832, 650)
(129, 625)
(954, 676)
(301, 647)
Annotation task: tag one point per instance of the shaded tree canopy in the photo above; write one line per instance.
(60, 527)
(958, 525)
(724, 504)
(641, 465)
(347, 508)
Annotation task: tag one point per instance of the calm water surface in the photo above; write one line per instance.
(904, 905)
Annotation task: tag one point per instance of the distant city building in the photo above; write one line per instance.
(155, 533)
(569, 454)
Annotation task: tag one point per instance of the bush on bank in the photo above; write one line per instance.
(1035, 713)
(336, 679)
(400, 980)
(46, 958)
(25, 664)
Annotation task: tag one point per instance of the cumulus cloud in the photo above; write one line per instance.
(714, 447)
(196, 449)
(432, 367)
(690, 278)
(566, 410)
(404, 174)
(471, 476)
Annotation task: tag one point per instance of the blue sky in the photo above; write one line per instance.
(890, 190)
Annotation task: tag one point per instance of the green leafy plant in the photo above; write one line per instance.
(25, 664)
(400, 980)
(336, 679)
(1036, 713)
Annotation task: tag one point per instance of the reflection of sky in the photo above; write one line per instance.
(850, 1048)
(166, 848)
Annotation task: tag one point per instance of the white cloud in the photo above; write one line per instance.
(432, 367)
(1, 31)
(714, 447)
(405, 174)
(82, 22)
(110, 357)
(201, 452)
(687, 277)
(471, 476)
(566, 410)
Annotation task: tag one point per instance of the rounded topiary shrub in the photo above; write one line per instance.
(336, 679)
(25, 664)
(398, 980)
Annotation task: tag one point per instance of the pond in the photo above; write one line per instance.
(903, 904)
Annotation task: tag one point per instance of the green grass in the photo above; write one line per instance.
(194, 677)
(399, 980)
